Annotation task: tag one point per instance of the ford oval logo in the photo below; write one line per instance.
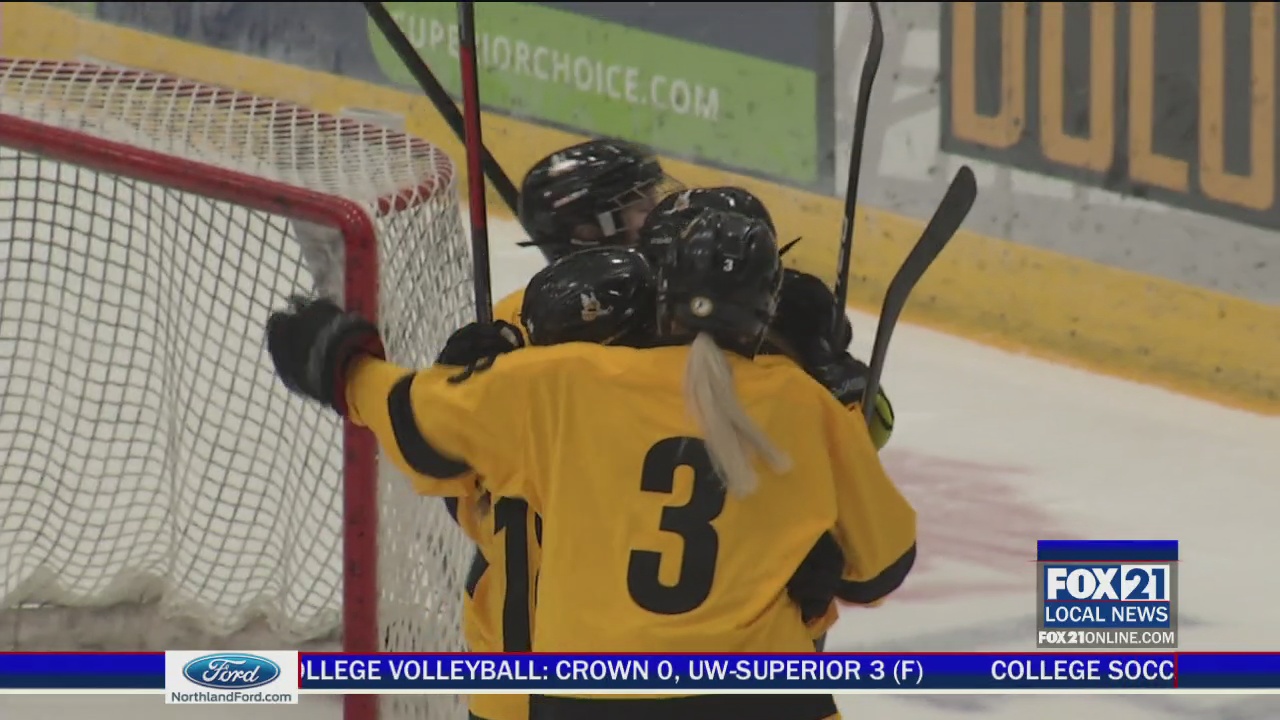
(231, 671)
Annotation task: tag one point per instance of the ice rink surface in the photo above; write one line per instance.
(998, 450)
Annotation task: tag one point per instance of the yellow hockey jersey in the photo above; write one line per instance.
(669, 564)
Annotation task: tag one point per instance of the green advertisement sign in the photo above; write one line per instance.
(88, 9)
(567, 69)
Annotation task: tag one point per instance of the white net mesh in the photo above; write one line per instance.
(159, 488)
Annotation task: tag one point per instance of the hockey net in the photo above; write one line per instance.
(160, 488)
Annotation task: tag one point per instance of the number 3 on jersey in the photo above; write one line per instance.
(691, 521)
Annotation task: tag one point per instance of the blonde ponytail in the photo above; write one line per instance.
(733, 439)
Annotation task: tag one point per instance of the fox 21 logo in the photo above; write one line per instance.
(1117, 583)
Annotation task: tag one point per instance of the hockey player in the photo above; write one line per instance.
(601, 295)
(570, 428)
(801, 328)
(594, 193)
(604, 295)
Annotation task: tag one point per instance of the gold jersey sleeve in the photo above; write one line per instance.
(881, 425)
(880, 429)
(508, 309)
(642, 549)
(877, 525)
(378, 398)
(498, 601)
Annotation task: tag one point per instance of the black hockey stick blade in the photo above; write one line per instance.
(439, 97)
(870, 66)
(475, 161)
(942, 227)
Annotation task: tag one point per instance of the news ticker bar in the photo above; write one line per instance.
(682, 674)
(1109, 551)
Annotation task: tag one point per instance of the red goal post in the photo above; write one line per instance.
(160, 482)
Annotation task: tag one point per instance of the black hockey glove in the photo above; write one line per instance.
(846, 378)
(475, 346)
(814, 584)
(312, 345)
(843, 375)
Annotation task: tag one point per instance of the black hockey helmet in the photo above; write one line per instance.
(593, 193)
(604, 295)
(676, 210)
(807, 312)
(721, 276)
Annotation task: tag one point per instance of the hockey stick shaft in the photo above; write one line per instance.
(439, 97)
(942, 226)
(870, 66)
(475, 160)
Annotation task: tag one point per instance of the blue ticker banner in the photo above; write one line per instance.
(82, 671)
(325, 673)
(1106, 550)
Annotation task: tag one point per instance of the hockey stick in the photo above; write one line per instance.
(870, 66)
(439, 97)
(942, 226)
(475, 161)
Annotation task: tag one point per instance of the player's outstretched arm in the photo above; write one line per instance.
(875, 525)
(326, 354)
(378, 395)
(404, 409)
(451, 423)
